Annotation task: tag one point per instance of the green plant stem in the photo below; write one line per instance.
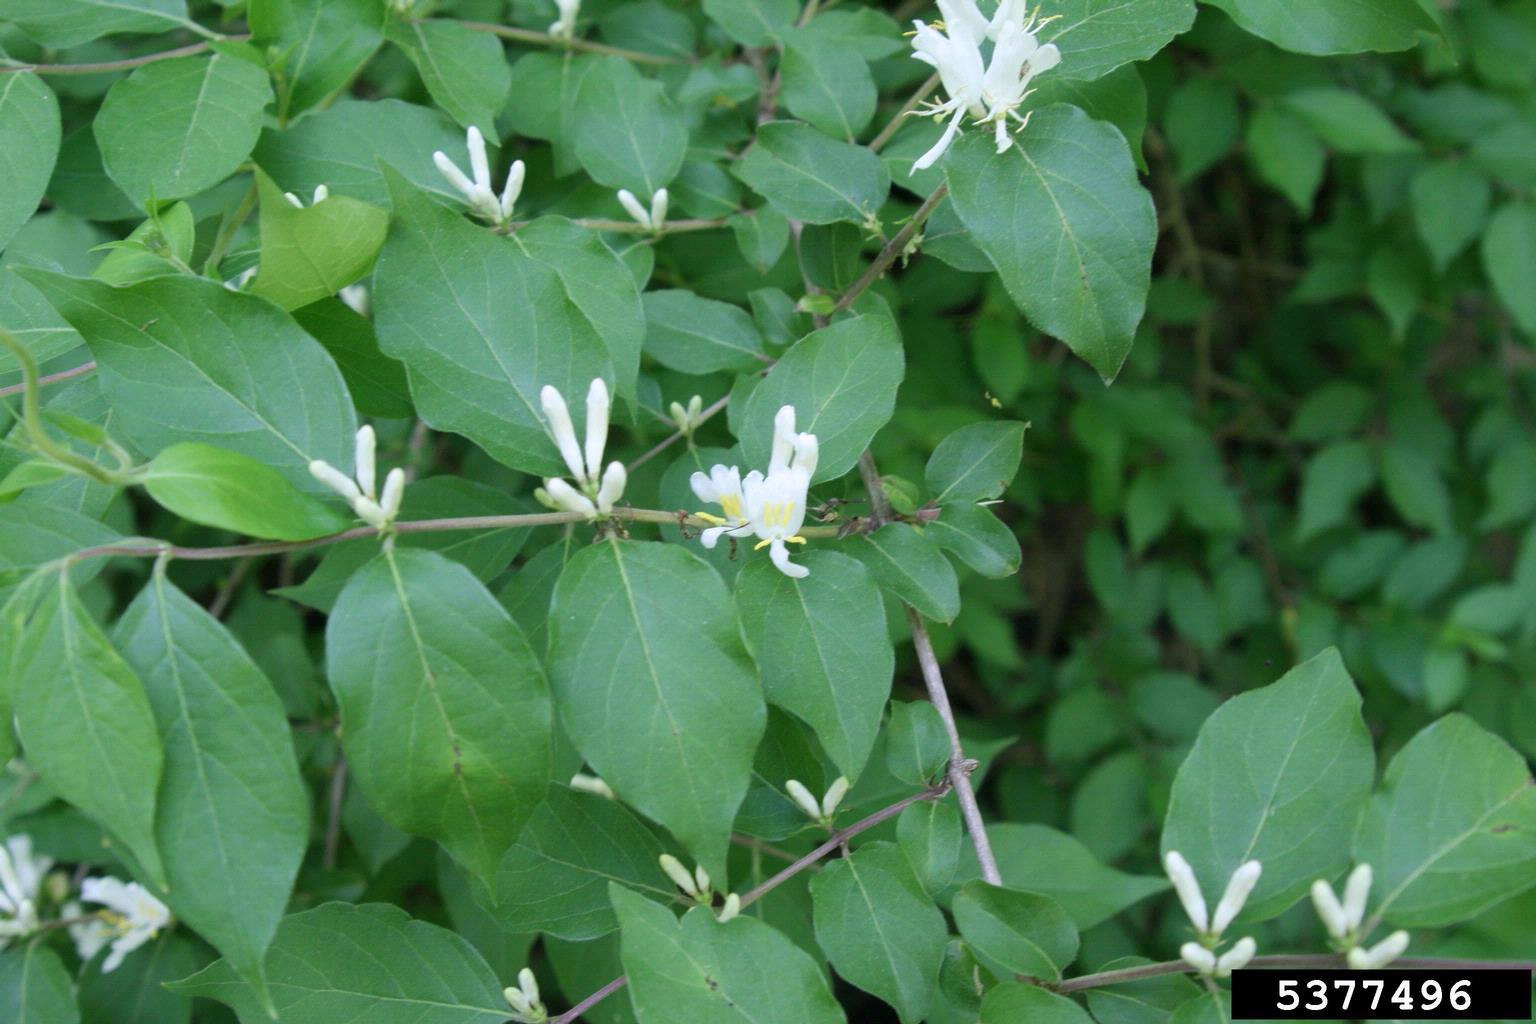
(32, 418)
(835, 842)
(1125, 975)
(678, 435)
(230, 227)
(893, 249)
(52, 378)
(524, 35)
(126, 64)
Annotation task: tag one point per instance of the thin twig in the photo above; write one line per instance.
(1126, 975)
(676, 436)
(524, 35)
(754, 843)
(893, 248)
(630, 227)
(220, 603)
(333, 814)
(126, 64)
(52, 378)
(894, 124)
(837, 839)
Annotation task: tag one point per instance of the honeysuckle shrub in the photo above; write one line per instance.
(518, 511)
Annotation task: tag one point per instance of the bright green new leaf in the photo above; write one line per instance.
(1068, 226)
(159, 247)
(310, 253)
(323, 43)
(29, 145)
(233, 817)
(176, 127)
(692, 334)
(1279, 775)
(372, 962)
(1453, 830)
(879, 927)
(1015, 932)
(445, 711)
(1324, 27)
(69, 23)
(35, 988)
(1509, 256)
(703, 972)
(1098, 36)
(842, 381)
(822, 648)
(465, 71)
(627, 133)
(975, 462)
(654, 688)
(910, 565)
(809, 177)
(221, 488)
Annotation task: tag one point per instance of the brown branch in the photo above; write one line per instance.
(677, 436)
(126, 64)
(893, 248)
(337, 797)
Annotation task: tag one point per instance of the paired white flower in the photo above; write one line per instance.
(653, 219)
(592, 784)
(21, 882)
(1201, 955)
(594, 494)
(565, 26)
(133, 917)
(1345, 918)
(377, 509)
(526, 1004)
(696, 887)
(773, 506)
(990, 91)
(322, 193)
(688, 419)
(476, 188)
(819, 811)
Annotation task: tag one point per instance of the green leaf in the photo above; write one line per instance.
(177, 127)
(370, 962)
(1098, 36)
(691, 334)
(1450, 207)
(879, 928)
(311, 253)
(697, 969)
(825, 84)
(1322, 27)
(1279, 774)
(1151, 1001)
(183, 359)
(480, 346)
(224, 489)
(1203, 124)
(753, 22)
(909, 565)
(85, 722)
(809, 177)
(822, 647)
(134, 993)
(1347, 121)
(1509, 256)
(975, 462)
(1453, 830)
(445, 711)
(1067, 224)
(555, 878)
(70, 23)
(842, 381)
(1332, 481)
(1015, 1001)
(627, 133)
(930, 835)
(465, 71)
(233, 817)
(654, 688)
(917, 746)
(35, 988)
(1287, 154)
(1415, 486)
(377, 382)
(1015, 932)
(978, 538)
(323, 43)
(150, 248)
(29, 146)
(1042, 860)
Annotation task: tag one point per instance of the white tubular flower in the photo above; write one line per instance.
(701, 879)
(565, 498)
(356, 296)
(775, 507)
(635, 209)
(803, 799)
(1238, 887)
(524, 999)
(1198, 957)
(376, 509)
(680, 876)
(133, 915)
(721, 487)
(730, 910)
(90, 934)
(477, 191)
(990, 93)
(563, 431)
(1357, 890)
(1379, 955)
(834, 796)
(596, 489)
(688, 419)
(565, 26)
(1237, 957)
(1330, 910)
(597, 426)
(592, 784)
(21, 882)
(659, 203)
(1183, 878)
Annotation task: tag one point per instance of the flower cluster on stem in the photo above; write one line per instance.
(653, 219)
(1344, 919)
(132, 917)
(476, 187)
(696, 886)
(596, 489)
(821, 811)
(376, 508)
(1202, 955)
(527, 1006)
(21, 881)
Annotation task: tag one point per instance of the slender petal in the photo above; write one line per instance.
(1357, 891)
(1238, 887)
(632, 205)
(931, 157)
(568, 499)
(597, 426)
(562, 431)
(394, 490)
(367, 445)
(335, 479)
(784, 437)
(612, 487)
(778, 553)
(1183, 878)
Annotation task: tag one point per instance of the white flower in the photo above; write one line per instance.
(477, 191)
(21, 881)
(1237, 957)
(819, 811)
(322, 193)
(990, 93)
(688, 419)
(721, 487)
(1343, 919)
(372, 507)
(653, 219)
(1238, 887)
(695, 885)
(1198, 957)
(356, 296)
(133, 915)
(1379, 955)
(565, 27)
(524, 999)
(594, 494)
(90, 933)
(1231, 904)
(730, 909)
(1188, 888)
(592, 784)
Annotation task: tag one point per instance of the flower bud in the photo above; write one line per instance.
(632, 206)
(731, 909)
(1357, 891)
(1328, 909)
(335, 479)
(1198, 957)
(1237, 957)
(394, 490)
(367, 445)
(834, 795)
(1183, 878)
(679, 874)
(1238, 887)
(803, 798)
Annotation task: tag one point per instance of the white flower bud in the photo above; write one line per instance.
(513, 189)
(612, 487)
(335, 479)
(1329, 910)
(598, 407)
(592, 784)
(659, 203)
(567, 499)
(1357, 891)
(803, 799)
(369, 511)
(295, 200)
(356, 297)
(517, 1001)
(394, 490)
(679, 874)
(632, 206)
(367, 444)
(731, 909)
(1183, 878)
(1379, 955)
(834, 795)
(322, 193)
(562, 430)
(479, 162)
(529, 985)
(456, 178)
(1237, 957)
(1238, 887)
(702, 878)
(1198, 957)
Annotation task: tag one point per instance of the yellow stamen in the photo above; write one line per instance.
(715, 520)
(797, 539)
(732, 505)
(761, 544)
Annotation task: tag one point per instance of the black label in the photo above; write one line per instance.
(1493, 994)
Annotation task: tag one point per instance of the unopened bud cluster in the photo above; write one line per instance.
(1345, 922)
(592, 495)
(1202, 955)
(695, 885)
(820, 811)
(374, 507)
